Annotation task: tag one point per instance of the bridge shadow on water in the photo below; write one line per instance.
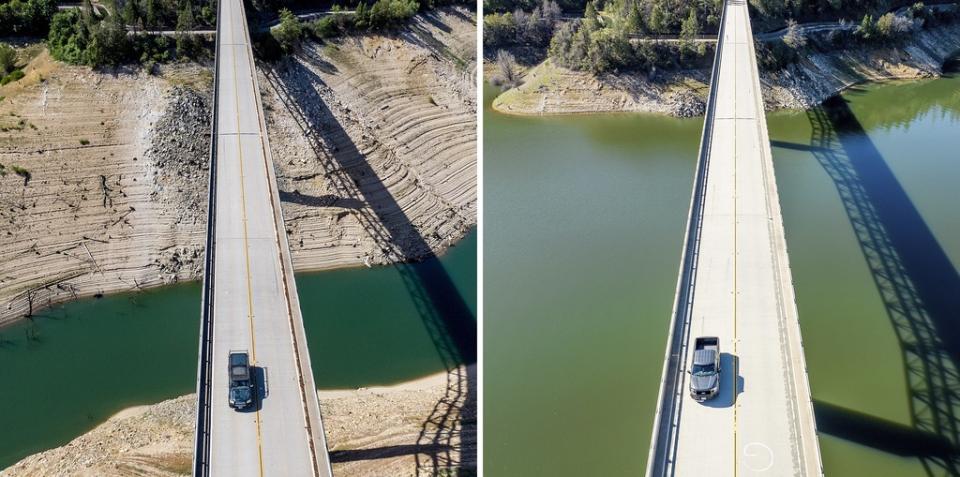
(442, 443)
(919, 287)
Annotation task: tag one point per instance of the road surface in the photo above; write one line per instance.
(255, 304)
(740, 289)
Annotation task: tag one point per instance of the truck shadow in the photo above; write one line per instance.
(444, 442)
(917, 282)
(261, 387)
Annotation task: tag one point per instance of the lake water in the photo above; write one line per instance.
(76, 365)
(584, 219)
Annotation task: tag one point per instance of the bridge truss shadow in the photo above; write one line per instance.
(918, 285)
(442, 442)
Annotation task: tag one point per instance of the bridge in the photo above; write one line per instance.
(735, 283)
(249, 295)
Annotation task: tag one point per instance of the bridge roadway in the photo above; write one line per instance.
(252, 291)
(735, 283)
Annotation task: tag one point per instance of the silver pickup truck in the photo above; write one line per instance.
(705, 368)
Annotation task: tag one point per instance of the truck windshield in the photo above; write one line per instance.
(241, 394)
(702, 369)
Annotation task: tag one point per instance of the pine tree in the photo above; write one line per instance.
(690, 27)
(131, 12)
(590, 18)
(634, 24)
(657, 20)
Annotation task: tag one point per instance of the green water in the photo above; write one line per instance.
(584, 219)
(903, 139)
(80, 363)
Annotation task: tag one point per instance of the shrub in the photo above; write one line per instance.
(26, 17)
(13, 76)
(8, 58)
(506, 75)
(794, 38)
(289, 31)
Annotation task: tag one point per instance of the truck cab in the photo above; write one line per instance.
(705, 368)
(241, 384)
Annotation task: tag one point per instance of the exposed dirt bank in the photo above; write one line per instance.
(374, 141)
(371, 432)
(377, 140)
(549, 89)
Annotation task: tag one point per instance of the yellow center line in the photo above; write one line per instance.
(246, 248)
(735, 357)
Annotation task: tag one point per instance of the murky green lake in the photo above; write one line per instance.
(76, 365)
(584, 219)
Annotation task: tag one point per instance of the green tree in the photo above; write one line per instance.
(633, 22)
(867, 28)
(363, 16)
(131, 12)
(8, 59)
(151, 14)
(590, 18)
(657, 21)
(186, 44)
(289, 31)
(794, 38)
(690, 27)
(499, 29)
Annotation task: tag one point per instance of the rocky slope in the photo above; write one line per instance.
(373, 138)
(549, 89)
(387, 168)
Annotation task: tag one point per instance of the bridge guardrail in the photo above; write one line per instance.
(201, 451)
(669, 397)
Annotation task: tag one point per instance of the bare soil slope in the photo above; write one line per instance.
(374, 139)
(95, 207)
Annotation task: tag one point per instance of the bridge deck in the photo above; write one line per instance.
(255, 304)
(737, 285)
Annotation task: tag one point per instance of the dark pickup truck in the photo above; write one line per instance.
(241, 382)
(705, 369)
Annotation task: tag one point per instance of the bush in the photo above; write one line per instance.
(794, 38)
(80, 38)
(499, 29)
(386, 14)
(13, 76)
(8, 58)
(289, 32)
(506, 75)
(29, 17)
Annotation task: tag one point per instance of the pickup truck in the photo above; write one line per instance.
(241, 382)
(705, 369)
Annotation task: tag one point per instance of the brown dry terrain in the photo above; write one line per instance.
(92, 209)
(374, 139)
(377, 139)
(371, 432)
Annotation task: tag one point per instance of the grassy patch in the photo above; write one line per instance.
(13, 76)
(21, 172)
